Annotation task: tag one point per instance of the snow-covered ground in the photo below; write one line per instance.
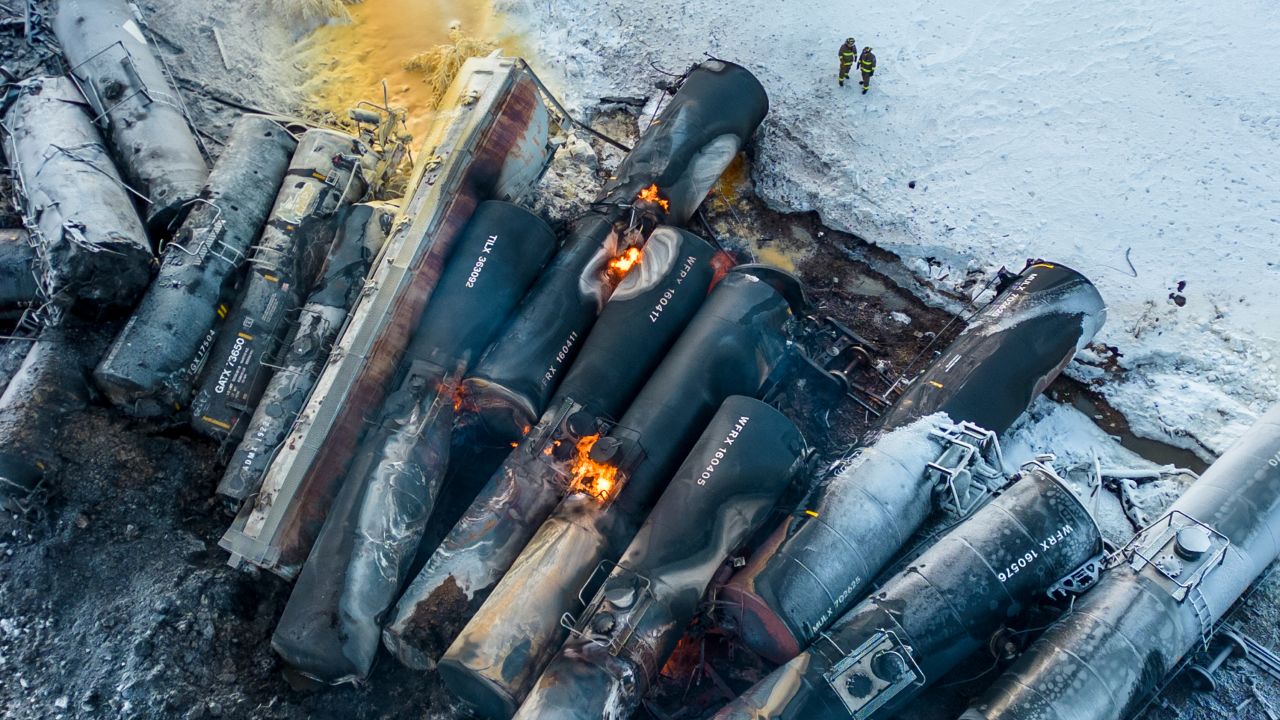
(1093, 134)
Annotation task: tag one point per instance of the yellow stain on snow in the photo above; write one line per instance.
(345, 63)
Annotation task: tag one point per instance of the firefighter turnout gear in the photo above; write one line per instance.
(848, 51)
(867, 65)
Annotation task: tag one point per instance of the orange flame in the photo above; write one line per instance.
(593, 478)
(627, 260)
(653, 195)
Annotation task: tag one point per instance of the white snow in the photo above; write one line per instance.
(1077, 132)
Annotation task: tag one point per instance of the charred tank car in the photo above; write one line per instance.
(938, 611)
(361, 235)
(330, 628)
(664, 179)
(150, 368)
(324, 176)
(726, 486)
(128, 86)
(731, 347)
(820, 560)
(642, 320)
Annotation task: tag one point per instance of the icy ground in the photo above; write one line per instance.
(1093, 134)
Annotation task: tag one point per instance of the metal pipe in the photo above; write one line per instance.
(150, 368)
(640, 323)
(723, 490)
(326, 175)
(731, 347)
(135, 102)
(91, 245)
(361, 235)
(330, 627)
(1170, 587)
(489, 141)
(864, 513)
(935, 613)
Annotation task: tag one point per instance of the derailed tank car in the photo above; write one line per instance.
(153, 362)
(820, 560)
(936, 612)
(731, 347)
(1175, 580)
(330, 628)
(360, 237)
(325, 175)
(644, 316)
(490, 140)
(663, 179)
(91, 245)
(726, 486)
(130, 89)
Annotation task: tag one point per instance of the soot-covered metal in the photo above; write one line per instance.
(820, 560)
(731, 347)
(664, 179)
(150, 368)
(361, 234)
(330, 628)
(723, 490)
(936, 612)
(642, 320)
(325, 175)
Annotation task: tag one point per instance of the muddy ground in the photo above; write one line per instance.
(115, 601)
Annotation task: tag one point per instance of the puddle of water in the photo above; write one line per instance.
(871, 286)
(1153, 450)
(348, 62)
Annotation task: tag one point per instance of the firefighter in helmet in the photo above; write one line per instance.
(848, 51)
(867, 65)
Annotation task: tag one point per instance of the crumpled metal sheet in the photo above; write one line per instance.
(91, 245)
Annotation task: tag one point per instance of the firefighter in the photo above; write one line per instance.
(867, 64)
(848, 51)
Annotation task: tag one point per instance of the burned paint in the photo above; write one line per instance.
(360, 237)
(91, 245)
(726, 486)
(732, 346)
(1173, 583)
(330, 629)
(624, 347)
(137, 104)
(325, 175)
(865, 512)
(156, 358)
(924, 621)
(490, 140)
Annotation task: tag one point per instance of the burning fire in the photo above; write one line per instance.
(591, 477)
(627, 260)
(653, 195)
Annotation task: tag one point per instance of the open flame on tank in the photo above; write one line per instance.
(629, 258)
(654, 195)
(590, 476)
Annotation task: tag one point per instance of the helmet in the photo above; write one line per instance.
(848, 41)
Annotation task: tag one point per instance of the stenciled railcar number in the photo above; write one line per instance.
(1031, 556)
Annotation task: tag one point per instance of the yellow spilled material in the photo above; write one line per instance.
(307, 14)
(416, 46)
(440, 65)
